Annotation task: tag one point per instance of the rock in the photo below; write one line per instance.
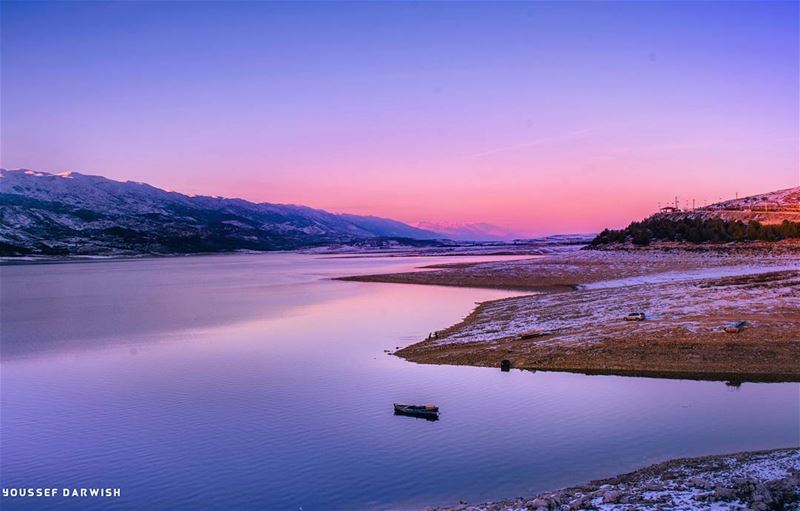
(576, 505)
(722, 493)
(698, 482)
(539, 503)
(744, 483)
(612, 497)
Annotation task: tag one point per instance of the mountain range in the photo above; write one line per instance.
(470, 231)
(77, 214)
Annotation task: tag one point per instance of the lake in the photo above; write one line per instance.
(257, 382)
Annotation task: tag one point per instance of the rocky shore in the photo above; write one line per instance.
(574, 319)
(753, 481)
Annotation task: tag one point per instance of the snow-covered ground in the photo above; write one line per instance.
(687, 275)
(677, 300)
(770, 208)
(785, 199)
(756, 481)
(575, 318)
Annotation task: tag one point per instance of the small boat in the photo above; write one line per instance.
(735, 328)
(635, 316)
(429, 412)
(532, 334)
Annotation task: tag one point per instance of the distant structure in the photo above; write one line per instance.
(673, 208)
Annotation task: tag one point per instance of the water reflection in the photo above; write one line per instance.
(75, 306)
(280, 397)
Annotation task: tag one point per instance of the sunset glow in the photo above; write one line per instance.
(541, 117)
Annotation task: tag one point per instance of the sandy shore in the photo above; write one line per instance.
(565, 271)
(745, 481)
(582, 298)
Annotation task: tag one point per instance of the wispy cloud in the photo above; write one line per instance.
(676, 146)
(537, 142)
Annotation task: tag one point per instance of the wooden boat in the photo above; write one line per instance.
(531, 334)
(735, 328)
(425, 411)
(635, 316)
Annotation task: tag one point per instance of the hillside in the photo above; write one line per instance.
(767, 217)
(76, 214)
(765, 208)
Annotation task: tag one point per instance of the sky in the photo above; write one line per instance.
(543, 117)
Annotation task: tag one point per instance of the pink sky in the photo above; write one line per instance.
(540, 117)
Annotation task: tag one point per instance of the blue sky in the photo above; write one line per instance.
(506, 112)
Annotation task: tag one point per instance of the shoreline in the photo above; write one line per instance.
(579, 300)
(571, 270)
(755, 480)
(730, 379)
(530, 248)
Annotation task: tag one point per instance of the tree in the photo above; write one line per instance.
(695, 230)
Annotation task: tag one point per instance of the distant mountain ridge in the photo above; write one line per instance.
(75, 214)
(470, 231)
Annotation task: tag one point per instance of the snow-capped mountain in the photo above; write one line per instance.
(470, 231)
(72, 213)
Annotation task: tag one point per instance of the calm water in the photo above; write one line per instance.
(254, 382)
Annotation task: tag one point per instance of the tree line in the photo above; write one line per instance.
(697, 230)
